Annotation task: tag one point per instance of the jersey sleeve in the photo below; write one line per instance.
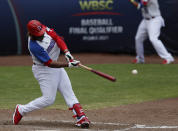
(40, 53)
(59, 40)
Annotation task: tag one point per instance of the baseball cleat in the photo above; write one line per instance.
(16, 116)
(83, 122)
(167, 61)
(136, 61)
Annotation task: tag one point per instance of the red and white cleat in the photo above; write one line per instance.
(16, 116)
(83, 122)
(137, 61)
(167, 61)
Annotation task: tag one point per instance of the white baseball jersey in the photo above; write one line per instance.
(43, 51)
(151, 10)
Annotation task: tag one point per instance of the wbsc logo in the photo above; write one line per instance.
(96, 5)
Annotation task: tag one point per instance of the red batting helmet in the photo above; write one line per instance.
(35, 28)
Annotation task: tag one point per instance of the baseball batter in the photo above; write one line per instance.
(45, 46)
(150, 28)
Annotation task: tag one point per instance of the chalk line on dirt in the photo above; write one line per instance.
(136, 126)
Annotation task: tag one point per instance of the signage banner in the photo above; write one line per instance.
(87, 25)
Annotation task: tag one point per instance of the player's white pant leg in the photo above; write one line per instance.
(66, 90)
(154, 28)
(140, 37)
(48, 84)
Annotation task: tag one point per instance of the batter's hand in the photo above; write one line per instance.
(73, 63)
(68, 56)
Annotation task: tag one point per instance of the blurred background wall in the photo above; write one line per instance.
(87, 25)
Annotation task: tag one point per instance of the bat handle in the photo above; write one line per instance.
(85, 67)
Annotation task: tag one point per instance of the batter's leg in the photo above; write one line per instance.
(48, 85)
(140, 37)
(154, 28)
(65, 88)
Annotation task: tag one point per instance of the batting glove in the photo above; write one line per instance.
(73, 63)
(68, 56)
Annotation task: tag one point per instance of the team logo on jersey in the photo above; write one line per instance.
(51, 45)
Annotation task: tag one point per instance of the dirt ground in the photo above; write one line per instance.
(85, 58)
(159, 115)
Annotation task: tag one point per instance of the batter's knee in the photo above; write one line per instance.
(49, 100)
(138, 39)
(153, 39)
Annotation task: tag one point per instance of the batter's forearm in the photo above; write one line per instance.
(55, 64)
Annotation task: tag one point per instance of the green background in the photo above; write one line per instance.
(153, 82)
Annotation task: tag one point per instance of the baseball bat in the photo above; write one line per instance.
(106, 76)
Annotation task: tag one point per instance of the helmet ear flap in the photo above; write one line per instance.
(35, 28)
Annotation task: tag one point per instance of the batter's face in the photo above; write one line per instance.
(39, 38)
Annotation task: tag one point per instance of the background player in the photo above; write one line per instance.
(150, 27)
(45, 46)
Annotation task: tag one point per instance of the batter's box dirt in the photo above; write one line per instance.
(60, 125)
(160, 115)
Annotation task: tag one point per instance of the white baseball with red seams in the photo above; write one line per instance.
(134, 71)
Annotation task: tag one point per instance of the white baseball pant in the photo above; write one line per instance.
(50, 80)
(150, 29)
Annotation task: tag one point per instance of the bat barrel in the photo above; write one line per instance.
(111, 78)
(108, 77)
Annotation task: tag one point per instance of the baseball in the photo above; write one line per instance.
(134, 72)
